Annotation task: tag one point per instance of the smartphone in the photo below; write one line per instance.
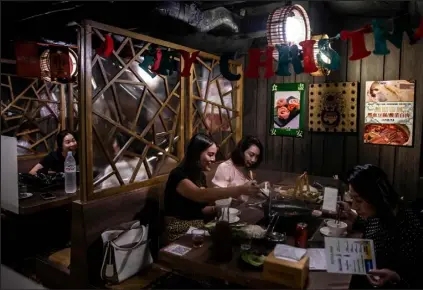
(47, 196)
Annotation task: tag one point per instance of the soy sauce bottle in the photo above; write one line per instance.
(222, 242)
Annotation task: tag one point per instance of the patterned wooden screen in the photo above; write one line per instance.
(138, 121)
(135, 114)
(216, 106)
(31, 110)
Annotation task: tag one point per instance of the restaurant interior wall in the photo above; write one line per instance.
(329, 154)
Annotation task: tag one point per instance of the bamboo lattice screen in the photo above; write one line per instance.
(153, 116)
(32, 110)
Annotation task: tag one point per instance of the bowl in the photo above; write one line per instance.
(336, 229)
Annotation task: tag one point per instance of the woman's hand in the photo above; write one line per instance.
(209, 210)
(249, 188)
(346, 211)
(381, 277)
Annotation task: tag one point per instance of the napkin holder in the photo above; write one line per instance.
(288, 273)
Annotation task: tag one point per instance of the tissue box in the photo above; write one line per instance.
(291, 274)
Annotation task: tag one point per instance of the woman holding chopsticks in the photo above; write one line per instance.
(236, 171)
(395, 230)
(186, 197)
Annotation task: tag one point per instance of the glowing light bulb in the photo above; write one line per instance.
(294, 31)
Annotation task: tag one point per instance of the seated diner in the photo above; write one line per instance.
(54, 162)
(187, 200)
(395, 230)
(236, 171)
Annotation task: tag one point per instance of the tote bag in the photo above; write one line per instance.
(126, 251)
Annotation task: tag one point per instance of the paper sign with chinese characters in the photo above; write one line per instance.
(287, 110)
(389, 113)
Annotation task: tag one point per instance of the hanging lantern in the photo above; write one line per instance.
(46, 73)
(288, 25)
(321, 70)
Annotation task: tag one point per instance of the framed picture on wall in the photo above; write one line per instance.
(287, 110)
(333, 107)
(389, 113)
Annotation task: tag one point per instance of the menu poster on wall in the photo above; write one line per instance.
(287, 110)
(389, 113)
(349, 256)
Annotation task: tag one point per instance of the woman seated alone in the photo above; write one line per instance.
(395, 230)
(55, 161)
(235, 171)
(186, 197)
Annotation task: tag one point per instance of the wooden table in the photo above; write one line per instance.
(36, 204)
(198, 261)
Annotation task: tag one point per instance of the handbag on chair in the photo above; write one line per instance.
(126, 251)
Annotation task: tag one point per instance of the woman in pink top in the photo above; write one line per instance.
(247, 155)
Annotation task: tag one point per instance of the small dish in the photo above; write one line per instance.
(326, 232)
(232, 219)
(25, 195)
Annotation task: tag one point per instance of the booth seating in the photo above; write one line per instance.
(81, 264)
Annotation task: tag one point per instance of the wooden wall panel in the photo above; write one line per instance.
(328, 154)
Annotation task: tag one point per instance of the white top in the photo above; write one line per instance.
(228, 175)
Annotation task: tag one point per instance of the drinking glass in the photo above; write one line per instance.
(22, 190)
(198, 238)
(245, 244)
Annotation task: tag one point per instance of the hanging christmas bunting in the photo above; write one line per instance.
(106, 48)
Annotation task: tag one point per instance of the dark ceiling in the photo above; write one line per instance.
(32, 20)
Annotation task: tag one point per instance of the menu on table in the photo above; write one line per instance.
(349, 256)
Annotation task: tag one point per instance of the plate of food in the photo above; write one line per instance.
(389, 134)
(286, 109)
(301, 191)
(253, 258)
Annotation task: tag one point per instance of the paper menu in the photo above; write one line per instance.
(330, 199)
(177, 249)
(349, 256)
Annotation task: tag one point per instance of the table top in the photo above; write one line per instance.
(35, 203)
(198, 261)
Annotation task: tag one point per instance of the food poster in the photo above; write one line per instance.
(349, 256)
(333, 107)
(389, 113)
(287, 110)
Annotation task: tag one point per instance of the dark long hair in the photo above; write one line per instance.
(59, 139)
(246, 142)
(191, 162)
(371, 184)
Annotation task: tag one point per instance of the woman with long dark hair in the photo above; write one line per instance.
(187, 198)
(247, 155)
(395, 230)
(55, 161)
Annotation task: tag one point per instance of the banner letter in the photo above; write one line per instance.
(325, 50)
(254, 63)
(188, 61)
(308, 56)
(380, 41)
(359, 50)
(224, 67)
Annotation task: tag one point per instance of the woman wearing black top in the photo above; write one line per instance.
(187, 198)
(395, 230)
(55, 160)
